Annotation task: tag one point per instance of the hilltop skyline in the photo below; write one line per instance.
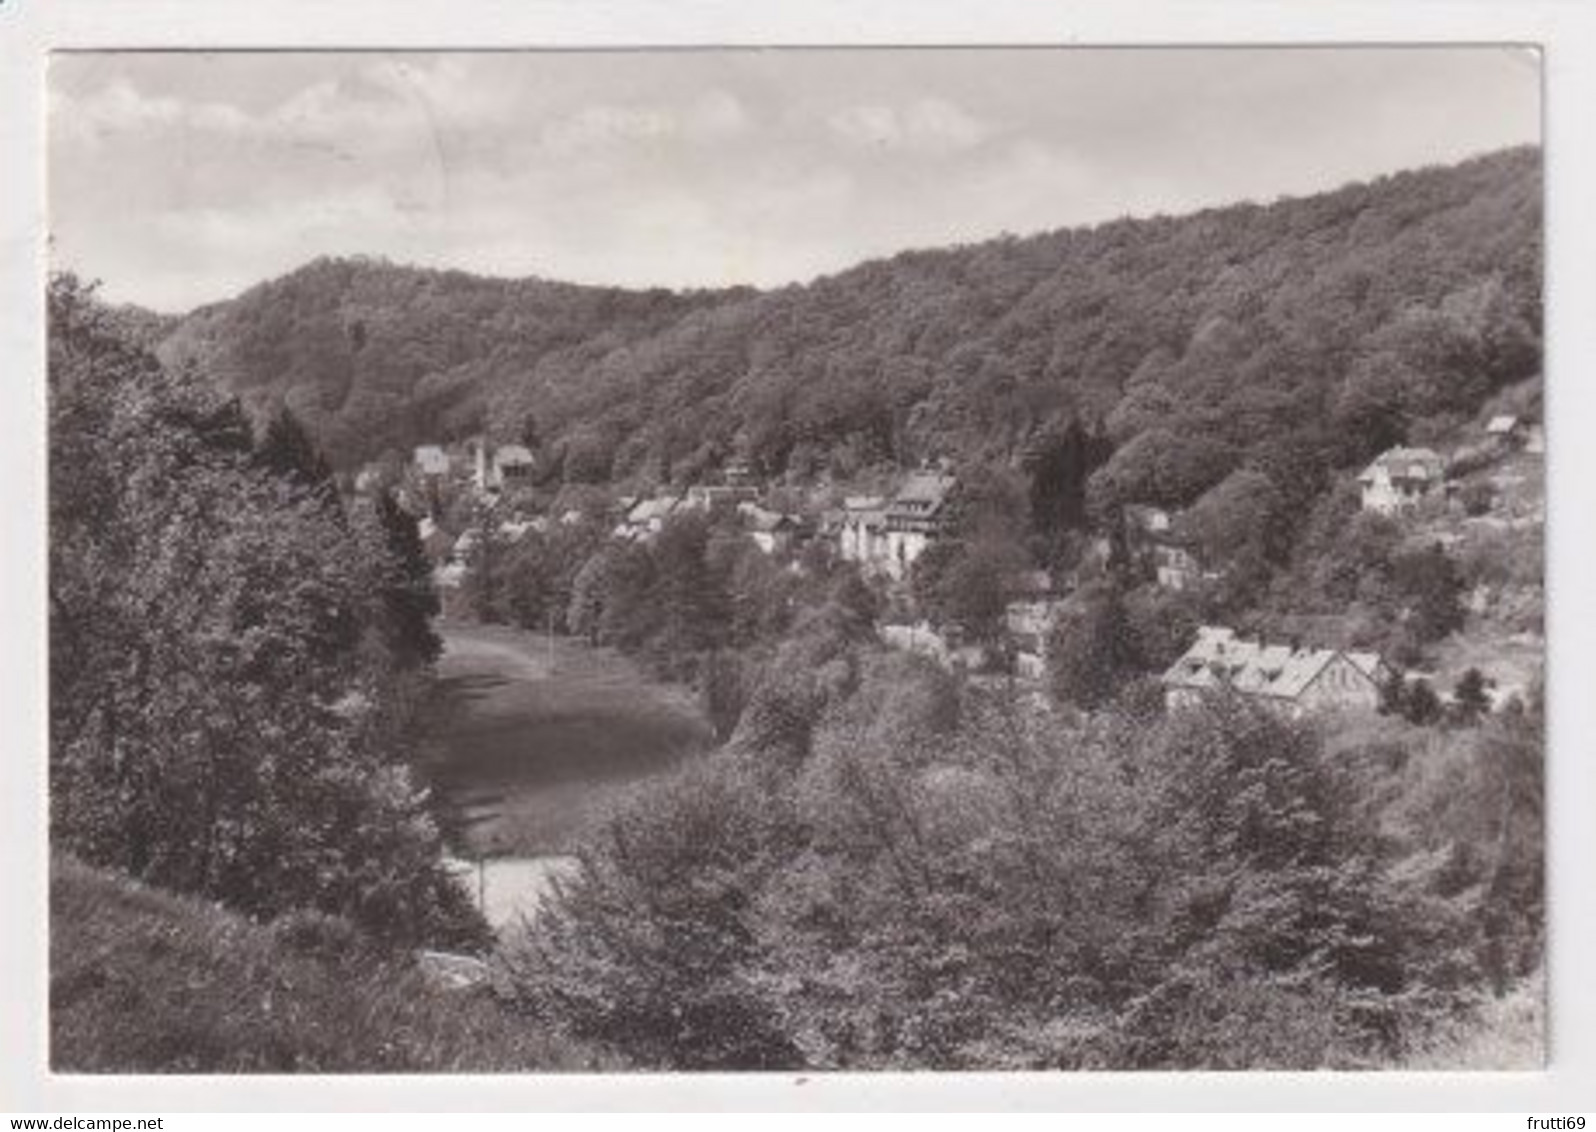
(711, 168)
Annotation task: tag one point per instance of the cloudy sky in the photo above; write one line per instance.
(179, 179)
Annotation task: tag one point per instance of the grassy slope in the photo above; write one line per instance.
(142, 981)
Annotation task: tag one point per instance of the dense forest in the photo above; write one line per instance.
(1295, 335)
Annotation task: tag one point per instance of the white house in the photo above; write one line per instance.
(915, 517)
(887, 536)
(432, 460)
(860, 529)
(1399, 478)
(1296, 681)
(494, 468)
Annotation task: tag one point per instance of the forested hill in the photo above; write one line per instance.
(1246, 334)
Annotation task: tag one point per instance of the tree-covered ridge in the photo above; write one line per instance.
(372, 355)
(1319, 326)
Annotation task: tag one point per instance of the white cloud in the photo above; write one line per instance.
(715, 116)
(926, 125)
(120, 108)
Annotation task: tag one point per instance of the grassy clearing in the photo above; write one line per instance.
(142, 981)
(531, 738)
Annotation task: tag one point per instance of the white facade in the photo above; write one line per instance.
(1400, 478)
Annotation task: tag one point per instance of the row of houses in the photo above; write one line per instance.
(772, 531)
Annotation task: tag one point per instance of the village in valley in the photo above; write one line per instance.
(667, 596)
(470, 494)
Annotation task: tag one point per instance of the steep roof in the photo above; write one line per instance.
(1218, 658)
(1406, 463)
(512, 456)
(648, 510)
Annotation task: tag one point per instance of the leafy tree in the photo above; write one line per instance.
(1241, 518)
(1470, 699)
(689, 599)
(286, 450)
(1423, 705)
(1092, 651)
(1429, 581)
(410, 601)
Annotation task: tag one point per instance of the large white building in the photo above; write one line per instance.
(887, 536)
(1295, 680)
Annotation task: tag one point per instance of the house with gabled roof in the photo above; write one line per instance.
(916, 515)
(1399, 478)
(1297, 681)
(886, 536)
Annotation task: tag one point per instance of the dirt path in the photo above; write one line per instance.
(532, 738)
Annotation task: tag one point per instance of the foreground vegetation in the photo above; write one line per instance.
(142, 981)
(235, 652)
(884, 869)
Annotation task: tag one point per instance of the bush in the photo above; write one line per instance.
(1477, 498)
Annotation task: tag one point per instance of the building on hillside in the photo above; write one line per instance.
(740, 473)
(1177, 567)
(772, 531)
(944, 648)
(1153, 534)
(1297, 681)
(369, 480)
(647, 517)
(915, 517)
(436, 543)
(713, 496)
(496, 468)
(1029, 623)
(1505, 430)
(860, 530)
(1144, 522)
(432, 460)
(886, 536)
(1399, 478)
(512, 465)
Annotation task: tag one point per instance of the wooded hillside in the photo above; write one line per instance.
(1312, 329)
